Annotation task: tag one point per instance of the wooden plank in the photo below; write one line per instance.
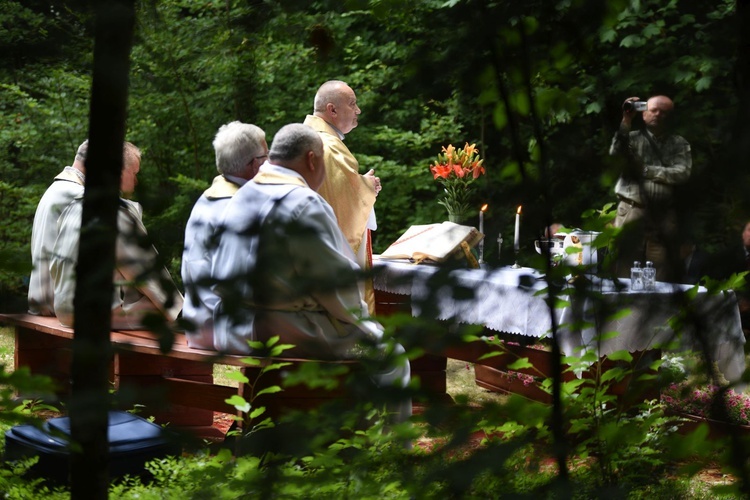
(27, 339)
(133, 363)
(388, 303)
(628, 391)
(182, 416)
(207, 396)
(151, 394)
(44, 324)
(429, 362)
(433, 382)
(278, 406)
(500, 381)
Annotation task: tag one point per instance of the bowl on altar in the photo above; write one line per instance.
(585, 253)
(553, 246)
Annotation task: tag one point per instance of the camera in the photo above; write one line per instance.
(639, 106)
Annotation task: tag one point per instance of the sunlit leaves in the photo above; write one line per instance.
(632, 41)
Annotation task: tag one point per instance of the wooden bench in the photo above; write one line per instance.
(178, 387)
(525, 381)
(493, 373)
(142, 374)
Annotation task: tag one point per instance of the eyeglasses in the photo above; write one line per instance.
(261, 157)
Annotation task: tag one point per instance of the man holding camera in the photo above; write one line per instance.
(655, 162)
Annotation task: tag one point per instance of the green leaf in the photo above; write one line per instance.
(239, 403)
(238, 376)
(651, 30)
(632, 41)
(607, 35)
(252, 361)
(623, 355)
(620, 314)
(491, 355)
(590, 356)
(704, 83)
(275, 366)
(256, 345)
(269, 390)
(608, 336)
(520, 364)
(613, 374)
(278, 350)
(593, 108)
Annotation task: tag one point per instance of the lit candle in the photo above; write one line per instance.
(481, 218)
(481, 230)
(517, 234)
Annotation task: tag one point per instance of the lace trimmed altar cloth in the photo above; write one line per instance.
(515, 301)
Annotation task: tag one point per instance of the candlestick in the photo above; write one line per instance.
(481, 230)
(517, 234)
(517, 237)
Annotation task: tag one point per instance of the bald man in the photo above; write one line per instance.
(351, 194)
(282, 266)
(655, 162)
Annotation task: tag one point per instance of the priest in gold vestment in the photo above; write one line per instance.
(351, 194)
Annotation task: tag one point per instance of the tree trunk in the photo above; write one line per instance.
(91, 347)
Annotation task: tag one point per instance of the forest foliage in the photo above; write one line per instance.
(537, 85)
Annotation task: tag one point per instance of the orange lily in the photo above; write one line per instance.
(442, 171)
(449, 152)
(456, 170)
(477, 169)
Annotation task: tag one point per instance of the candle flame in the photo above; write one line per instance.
(519, 209)
(484, 207)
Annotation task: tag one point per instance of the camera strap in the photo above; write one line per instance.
(655, 146)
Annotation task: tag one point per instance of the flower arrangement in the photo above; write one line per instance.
(697, 401)
(456, 170)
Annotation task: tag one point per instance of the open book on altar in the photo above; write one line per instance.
(433, 242)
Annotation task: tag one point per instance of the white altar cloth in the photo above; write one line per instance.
(515, 301)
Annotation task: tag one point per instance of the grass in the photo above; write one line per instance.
(460, 380)
(7, 344)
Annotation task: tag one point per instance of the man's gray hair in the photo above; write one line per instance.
(83, 150)
(330, 91)
(130, 153)
(292, 141)
(236, 144)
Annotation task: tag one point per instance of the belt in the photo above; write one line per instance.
(631, 202)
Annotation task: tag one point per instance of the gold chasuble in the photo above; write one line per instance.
(67, 175)
(276, 178)
(221, 188)
(350, 194)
